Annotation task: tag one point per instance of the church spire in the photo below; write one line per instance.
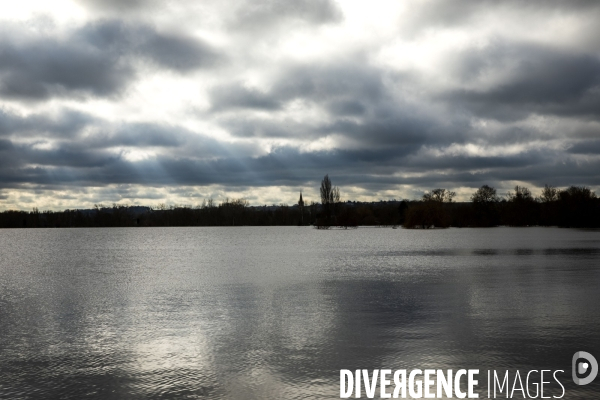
(301, 206)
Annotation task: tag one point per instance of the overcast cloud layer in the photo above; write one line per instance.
(147, 102)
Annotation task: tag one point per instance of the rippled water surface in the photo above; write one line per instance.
(276, 312)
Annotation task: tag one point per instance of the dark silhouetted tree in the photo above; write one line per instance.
(549, 194)
(549, 205)
(578, 207)
(330, 200)
(484, 207)
(430, 211)
(521, 208)
(439, 195)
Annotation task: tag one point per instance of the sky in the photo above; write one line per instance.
(148, 102)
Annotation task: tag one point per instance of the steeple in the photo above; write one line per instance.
(301, 206)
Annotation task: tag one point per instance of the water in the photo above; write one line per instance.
(276, 312)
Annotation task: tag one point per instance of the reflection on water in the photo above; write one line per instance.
(271, 313)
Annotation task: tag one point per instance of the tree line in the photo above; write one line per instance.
(575, 206)
(231, 212)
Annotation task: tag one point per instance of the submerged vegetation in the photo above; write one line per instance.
(575, 206)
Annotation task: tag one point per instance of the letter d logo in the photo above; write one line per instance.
(583, 367)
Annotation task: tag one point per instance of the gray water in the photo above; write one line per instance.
(276, 312)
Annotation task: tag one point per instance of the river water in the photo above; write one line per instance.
(276, 312)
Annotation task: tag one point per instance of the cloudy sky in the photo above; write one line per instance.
(154, 101)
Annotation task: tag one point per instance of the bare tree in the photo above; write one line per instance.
(336, 195)
(326, 191)
(549, 194)
(439, 195)
(521, 193)
(330, 199)
(330, 195)
(522, 209)
(484, 207)
(430, 212)
(485, 194)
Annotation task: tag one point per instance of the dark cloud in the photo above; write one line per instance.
(462, 162)
(79, 130)
(263, 14)
(95, 60)
(66, 124)
(290, 167)
(397, 131)
(237, 96)
(456, 13)
(8, 157)
(346, 107)
(145, 135)
(586, 147)
(395, 126)
(72, 147)
(266, 128)
(363, 104)
(341, 90)
(78, 158)
(514, 135)
(49, 67)
(345, 88)
(244, 16)
(541, 80)
(119, 5)
(351, 79)
(169, 50)
(178, 52)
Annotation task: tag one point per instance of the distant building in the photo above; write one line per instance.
(301, 206)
